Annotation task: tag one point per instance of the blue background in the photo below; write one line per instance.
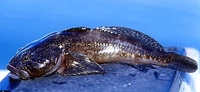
(171, 22)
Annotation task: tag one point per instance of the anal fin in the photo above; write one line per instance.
(79, 64)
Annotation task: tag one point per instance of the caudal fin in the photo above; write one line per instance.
(182, 63)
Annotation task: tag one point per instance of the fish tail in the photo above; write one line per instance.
(181, 63)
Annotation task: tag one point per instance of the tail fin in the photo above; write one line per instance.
(182, 63)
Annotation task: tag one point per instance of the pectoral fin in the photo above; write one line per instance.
(79, 64)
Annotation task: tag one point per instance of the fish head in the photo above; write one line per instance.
(34, 60)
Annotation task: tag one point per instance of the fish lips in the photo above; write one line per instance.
(17, 73)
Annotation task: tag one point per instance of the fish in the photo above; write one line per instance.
(81, 50)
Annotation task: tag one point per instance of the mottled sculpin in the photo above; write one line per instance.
(80, 50)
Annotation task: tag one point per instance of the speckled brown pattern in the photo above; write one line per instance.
(80, 50)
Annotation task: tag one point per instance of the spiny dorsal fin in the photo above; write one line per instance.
(133, 34)
(77, 29)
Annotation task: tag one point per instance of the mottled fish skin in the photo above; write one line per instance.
(134, 34)
(80, 50)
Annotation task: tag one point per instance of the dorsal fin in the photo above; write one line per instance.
(77, 29)
(133, 34)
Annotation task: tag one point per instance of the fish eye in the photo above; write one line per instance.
(26, 58)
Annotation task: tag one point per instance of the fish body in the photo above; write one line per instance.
(80, 50)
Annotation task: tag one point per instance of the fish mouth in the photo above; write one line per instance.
(17, 73)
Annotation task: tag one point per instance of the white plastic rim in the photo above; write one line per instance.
(3, 74)
(194, 54)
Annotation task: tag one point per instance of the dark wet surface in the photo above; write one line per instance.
(119, 78)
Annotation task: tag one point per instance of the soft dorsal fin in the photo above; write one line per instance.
(77, 29)
(133, 34)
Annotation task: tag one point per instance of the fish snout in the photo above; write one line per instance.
(17, 73)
